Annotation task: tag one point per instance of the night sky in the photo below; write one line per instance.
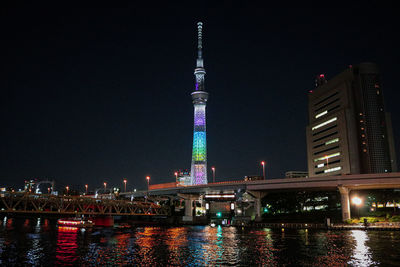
(94, 95)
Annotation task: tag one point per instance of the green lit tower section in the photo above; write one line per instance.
(199, 97)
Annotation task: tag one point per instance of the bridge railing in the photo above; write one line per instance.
(49, 204)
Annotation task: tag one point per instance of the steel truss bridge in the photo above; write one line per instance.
(25, 203)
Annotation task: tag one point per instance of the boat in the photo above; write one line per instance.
(75, 222)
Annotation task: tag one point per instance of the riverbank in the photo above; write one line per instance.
(371, 226)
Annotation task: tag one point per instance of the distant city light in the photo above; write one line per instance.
(219, 196)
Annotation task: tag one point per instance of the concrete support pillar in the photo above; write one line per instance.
(188, 208)
(345, 201)
(257, 207)
(258, 195)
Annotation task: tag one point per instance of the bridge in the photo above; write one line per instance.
(260, 188)
(46, 204)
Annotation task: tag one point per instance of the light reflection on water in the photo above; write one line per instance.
(40, 242)
(362, 253)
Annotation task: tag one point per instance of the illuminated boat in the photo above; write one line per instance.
(75, 222)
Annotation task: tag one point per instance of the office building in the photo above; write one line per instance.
(349, 131)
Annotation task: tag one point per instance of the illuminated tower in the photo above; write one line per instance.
(199, 97)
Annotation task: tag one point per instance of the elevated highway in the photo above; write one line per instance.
(260, 188)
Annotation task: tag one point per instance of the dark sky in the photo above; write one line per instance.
(93, 95)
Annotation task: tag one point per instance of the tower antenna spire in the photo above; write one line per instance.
(199, 44)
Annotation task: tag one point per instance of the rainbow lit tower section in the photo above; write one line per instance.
(199, 97)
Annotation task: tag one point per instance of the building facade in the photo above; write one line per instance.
(199, 98)
(349, 131)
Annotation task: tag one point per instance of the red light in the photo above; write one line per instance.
(67, 229)
(148, 177)
(310, 91)
(321, 75)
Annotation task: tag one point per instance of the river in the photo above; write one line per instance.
(39, 242)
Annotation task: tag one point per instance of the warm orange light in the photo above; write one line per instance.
(176, 174)
(125, 181)
(105, 184)
(148, 178)
(67, 229)
(213, 168)
(263, 163)
(67, 187)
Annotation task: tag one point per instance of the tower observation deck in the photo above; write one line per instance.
(199, 97)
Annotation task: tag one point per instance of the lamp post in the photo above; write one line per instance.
(105, 186)
(176, 178)
(263, 166)
(357, 201)
(48, 190)
(213, 171)
(86, 188)
(67, 187)
(125, 184)
(148, 183)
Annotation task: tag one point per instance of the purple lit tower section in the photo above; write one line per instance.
(199, 97)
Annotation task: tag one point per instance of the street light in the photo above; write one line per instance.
(86, 188)
(148, 182)
(357, 201)
(67, 187)
(148, 185)
(213, 170)
(125, 184)
(48, 189)
(263, 166)
(105, 186)
(176, 178)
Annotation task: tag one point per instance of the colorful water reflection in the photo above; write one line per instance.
(33, 243)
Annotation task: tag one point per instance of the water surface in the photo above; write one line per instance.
(40, 242)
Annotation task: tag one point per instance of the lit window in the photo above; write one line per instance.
(327, 156)
(332, 141)
(324, 123)
(333, 169)
(321, 114)
(321, 165)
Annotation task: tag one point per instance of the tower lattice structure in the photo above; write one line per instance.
(199, 97)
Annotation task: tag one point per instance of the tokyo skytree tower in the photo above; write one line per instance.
(199, 97)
